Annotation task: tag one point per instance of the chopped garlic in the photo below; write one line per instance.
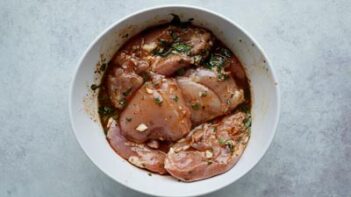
(239, 96)
(142, 127)
(153, 144)
(192, 61)
(109, 122)
(136, 161)
(171, 150)
(149, 47)
(149, 91)
(182, 148)
(135, 47)
(208, 154)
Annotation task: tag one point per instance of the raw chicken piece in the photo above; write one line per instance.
(156, 111)
(203, 103)
(121, 84)
(199, 39)
(137, 53)
(167, 66)
(144, 53)
(209, 149)
(131, 62)
(137, 154)
(227, 90)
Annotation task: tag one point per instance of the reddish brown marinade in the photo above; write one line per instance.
(175, 100)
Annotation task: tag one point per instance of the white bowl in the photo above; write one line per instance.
(89, 133)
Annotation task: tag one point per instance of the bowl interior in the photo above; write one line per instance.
(90, 135)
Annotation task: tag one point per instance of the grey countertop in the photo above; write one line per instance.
(309, 43)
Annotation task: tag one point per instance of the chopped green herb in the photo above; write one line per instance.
(197, 59)
(247, 121)
(221, 141)
(94, 87)
(175, 98)
(181, 47)
(158, 101)
(158, 52)
(195, 106)
(105, 110)
(162, 52)
(226, 52)
(230, 145)
(126, 93)
(149, 174)
(222, 77)
(175, 37)
(215, 61)
(128, 119)
(209, 162)
(167, 48)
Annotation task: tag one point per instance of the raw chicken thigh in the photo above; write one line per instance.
(203, 102)
(156, 111)
(138, 154)
(228, 92)
(209, 149)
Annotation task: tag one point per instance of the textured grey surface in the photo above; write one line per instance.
(309, 43)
